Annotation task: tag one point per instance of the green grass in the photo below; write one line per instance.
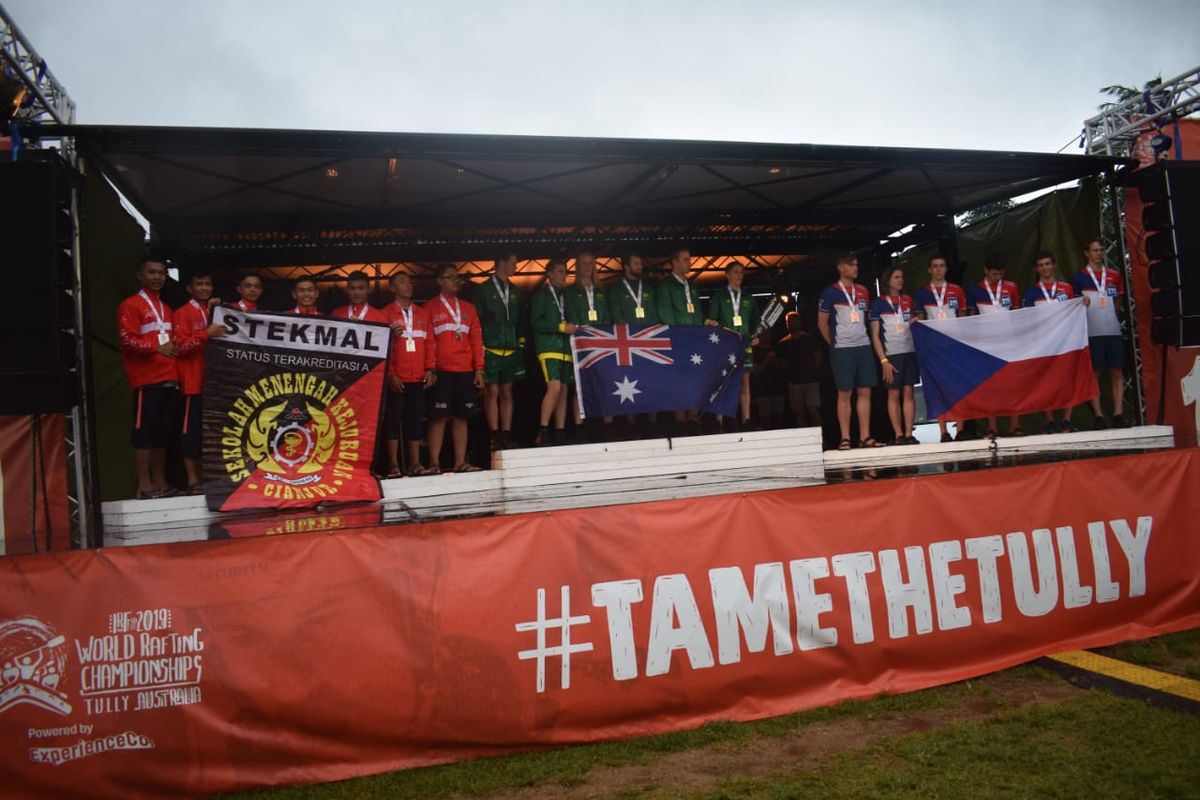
(1097, 746)
(1175, 650)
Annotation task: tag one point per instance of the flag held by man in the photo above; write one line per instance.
(635, 369)
(1027, 360)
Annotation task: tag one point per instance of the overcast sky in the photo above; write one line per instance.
(1010, 75)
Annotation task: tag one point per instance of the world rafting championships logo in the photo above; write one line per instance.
(32, 659)
(293, 435)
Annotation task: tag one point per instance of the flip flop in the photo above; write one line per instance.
(467, 466)
(415, 471)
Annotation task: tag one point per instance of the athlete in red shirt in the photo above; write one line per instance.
(459, 342)
(305, 293)
(411, 370)
(358, 290)
(249, 289)
(145, 330)
(193, 328)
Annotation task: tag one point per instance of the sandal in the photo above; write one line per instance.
(433, 469)
(1016, 432)
(152, 494)
(844, 444)
(196, 488)
(870, 442)
(467, 466)
(393, 472)
(415, 471)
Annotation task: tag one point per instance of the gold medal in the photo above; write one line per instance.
(737, 320)
(592, 315)
(639, 312)
(691, 308)
(854, 316)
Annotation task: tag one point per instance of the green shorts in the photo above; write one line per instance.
(557, 367)
(503, 369)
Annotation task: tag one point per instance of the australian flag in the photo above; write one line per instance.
(634, 369)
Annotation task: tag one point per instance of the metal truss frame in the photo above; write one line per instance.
(1115, 132)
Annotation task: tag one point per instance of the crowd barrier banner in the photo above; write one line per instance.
(291, 409)
(33, 492)
(192, 668)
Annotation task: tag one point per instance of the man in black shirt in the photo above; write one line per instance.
(801, 355)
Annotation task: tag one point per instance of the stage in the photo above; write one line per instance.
(598, 475)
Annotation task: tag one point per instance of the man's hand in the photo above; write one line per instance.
(167, 349)
(216, 331)
(395, 384)
(397, 325)
(570, 327)
(478, 379)
(430, 378)
(213, 302)
(1087, 301)
(889, 372)
(712, 323)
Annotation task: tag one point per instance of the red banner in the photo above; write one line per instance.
(199, 667)
(1180, 402)
(33, 491)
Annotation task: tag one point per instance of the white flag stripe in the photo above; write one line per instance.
(1047, 329)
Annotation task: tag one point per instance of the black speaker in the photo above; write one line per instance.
(37, 329)
(1170, 191)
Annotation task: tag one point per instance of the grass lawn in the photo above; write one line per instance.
(1020, 733)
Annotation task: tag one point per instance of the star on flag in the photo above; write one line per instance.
(626, 389)
(696, 359)
(714, 338)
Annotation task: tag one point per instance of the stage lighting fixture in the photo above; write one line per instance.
(331, 172)
(774, 171)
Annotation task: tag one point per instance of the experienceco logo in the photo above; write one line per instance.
(129, 740)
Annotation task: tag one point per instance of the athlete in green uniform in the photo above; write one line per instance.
(631, 297)
(736, 310)
(551, 332)
(587, 304)
(501, 306)
(678, 300)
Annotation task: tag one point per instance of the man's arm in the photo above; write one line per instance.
(823, 327)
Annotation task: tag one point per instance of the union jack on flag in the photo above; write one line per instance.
(635, 369)
(616, 341)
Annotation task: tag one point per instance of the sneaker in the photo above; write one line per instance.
(1119, 421)
(750, 425)
(1069, 427)
(911, 440)
(1100, 424)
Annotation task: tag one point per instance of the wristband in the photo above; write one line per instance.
(883, 361)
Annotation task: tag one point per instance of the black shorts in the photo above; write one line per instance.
(154, 409)
(905, 365)
(405, 412)
(454, 395)
(189, 435)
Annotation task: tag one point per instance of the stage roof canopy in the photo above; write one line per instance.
(268, 197)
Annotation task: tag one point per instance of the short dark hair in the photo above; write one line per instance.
(304, 279)
(938, 257)
(628, 256)
(150, 260)
(442, 269)
(504, 257)
(583, 253)
(398, 274)
(846, 257)
(733, 264)
(885, 274)
(196, 274)
(675, 251)
(555, 262)
(1093, 240)
(357, 275)
(994, 261)
(1044, 254)
(248, 275)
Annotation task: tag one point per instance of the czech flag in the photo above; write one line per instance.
(1014, 362)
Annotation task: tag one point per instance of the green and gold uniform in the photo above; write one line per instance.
(623, 295)
(578, 307)
(678, 302)
(550, 341)
(500, 317)
(736, 311)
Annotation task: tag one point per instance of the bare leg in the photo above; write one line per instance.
(192, 467)
(1118, 391)
(141, 465)
(560, 408)
(910, 410)
(158, 468)
(458, 436)
(893, 406)
(744, 397)
(1097, 411)
(550, 401)
(491, 399)
(993, 426)
(413, 450)
(506, 406)
(1013, 423)
(843, 412)
(864, 414)
(392, 446)
(435, 435)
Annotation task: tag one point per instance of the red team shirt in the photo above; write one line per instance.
(954, 301)
(980, 299)
(191, 334)
(140, 319)
(409, 366)
(309, 311)
(371, 313)
(464, 354)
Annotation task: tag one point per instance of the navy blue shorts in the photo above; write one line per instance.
(1107, 352)
(905, 365)
(853, 367)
